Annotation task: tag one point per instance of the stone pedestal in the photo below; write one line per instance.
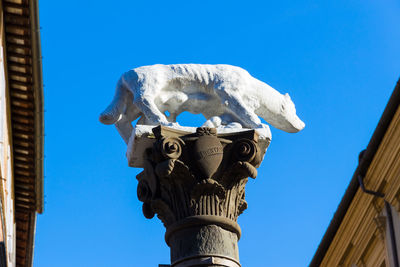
(195, 183)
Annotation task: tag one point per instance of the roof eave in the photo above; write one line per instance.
(38, 98)
(361, 169)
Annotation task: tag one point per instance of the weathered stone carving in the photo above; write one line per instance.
(198, 180)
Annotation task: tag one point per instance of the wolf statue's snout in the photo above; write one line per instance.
(297, 125)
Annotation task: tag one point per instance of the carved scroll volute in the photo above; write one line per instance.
(171, 147)
(245, 150)
(246, 153)
(208, 151)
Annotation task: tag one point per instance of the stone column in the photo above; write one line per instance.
(195, 183)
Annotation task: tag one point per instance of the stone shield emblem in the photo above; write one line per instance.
(208, 153)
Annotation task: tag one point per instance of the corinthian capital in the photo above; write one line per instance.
(196, 179)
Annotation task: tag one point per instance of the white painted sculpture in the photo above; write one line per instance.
(227, 96)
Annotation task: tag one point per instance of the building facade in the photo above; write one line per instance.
(365, 229)
(21, 130)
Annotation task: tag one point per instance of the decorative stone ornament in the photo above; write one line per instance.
(195, 183)
(216, 91)
(208, 151)
(194, 179)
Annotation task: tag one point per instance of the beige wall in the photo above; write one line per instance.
(363, 238)
(6, 182)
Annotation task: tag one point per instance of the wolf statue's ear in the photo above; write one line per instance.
(287, 97)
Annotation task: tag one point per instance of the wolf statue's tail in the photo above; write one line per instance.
(117, 112)
(113, 113)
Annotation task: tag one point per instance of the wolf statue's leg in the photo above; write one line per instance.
(151, 111)
(230, 121)
(125, 129)
(227, 118)
(124, 124)
(237, 108)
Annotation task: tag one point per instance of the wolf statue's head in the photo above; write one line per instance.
(290, 121)
(281, 114)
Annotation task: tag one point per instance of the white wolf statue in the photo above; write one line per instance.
(224, 94)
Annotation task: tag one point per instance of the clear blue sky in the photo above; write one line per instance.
(339, 61)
